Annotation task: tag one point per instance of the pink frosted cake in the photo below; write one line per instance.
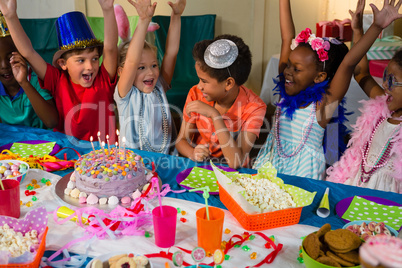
(381, 251)
(101, 178)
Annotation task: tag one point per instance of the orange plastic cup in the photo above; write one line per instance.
(10, 198)
(209, 232)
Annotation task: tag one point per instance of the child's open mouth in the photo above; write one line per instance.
(149, 82)
(288, 82)
(7, 76)
(87, 77)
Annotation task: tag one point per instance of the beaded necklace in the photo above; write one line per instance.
(144, 142)
(306, 133)
(382, 158)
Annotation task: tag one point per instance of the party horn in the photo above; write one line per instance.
(323, 209)
(65, 212)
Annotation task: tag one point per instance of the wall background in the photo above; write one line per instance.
(256, 21)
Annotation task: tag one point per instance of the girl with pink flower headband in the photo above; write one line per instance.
(314, 77)
(374, 156)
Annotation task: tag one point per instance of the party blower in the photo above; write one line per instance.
(209, 224)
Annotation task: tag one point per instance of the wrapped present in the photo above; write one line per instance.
(377, 67)
(385, 48)
(335, 28)
(368, 20)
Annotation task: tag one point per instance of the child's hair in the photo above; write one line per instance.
(78, 51)
(336, 53)
(240, 68)
(397, 58)
(123, 47)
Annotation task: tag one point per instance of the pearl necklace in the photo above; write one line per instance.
(144, 142)
(306, 133)
(382, 158)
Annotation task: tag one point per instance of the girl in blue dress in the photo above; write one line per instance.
(315, 74)
(144, 114)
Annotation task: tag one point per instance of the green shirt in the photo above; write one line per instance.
(18, 110)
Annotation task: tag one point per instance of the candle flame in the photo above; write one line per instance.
(117, 132)
(107, 137)
(98, 133)
(124, 139)
(91, 138)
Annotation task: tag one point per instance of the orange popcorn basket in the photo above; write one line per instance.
(38, 257)
(262, 221)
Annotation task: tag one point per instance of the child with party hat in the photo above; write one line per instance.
(20, 102)
(82, 88)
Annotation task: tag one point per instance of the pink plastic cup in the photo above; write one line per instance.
(165, 226)
(10, 198)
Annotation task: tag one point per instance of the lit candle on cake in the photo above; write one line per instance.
(108, 144)
(124, 148)
(115, 151)
(100, 142)
(118, 137)
(93, 148)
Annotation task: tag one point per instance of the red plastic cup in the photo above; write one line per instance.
(209, 232)
(165, 226)
(10, 198)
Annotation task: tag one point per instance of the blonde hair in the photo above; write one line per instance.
(123, 48)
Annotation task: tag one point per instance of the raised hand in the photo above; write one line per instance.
(357, 16)
(8, 7)
(106, 4)
(201, 108)
(389, 13)
(145, 8)
(178, 6)
(19, 67)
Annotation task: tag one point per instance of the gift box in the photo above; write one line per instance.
(385, 48)
(337, 28)
(377, 67)
(368, 20)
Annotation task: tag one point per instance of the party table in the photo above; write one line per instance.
(168, 167)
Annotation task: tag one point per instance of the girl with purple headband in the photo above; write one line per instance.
(315, 75)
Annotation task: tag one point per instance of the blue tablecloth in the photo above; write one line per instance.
(169, 166)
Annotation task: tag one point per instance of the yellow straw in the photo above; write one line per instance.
(1, 184)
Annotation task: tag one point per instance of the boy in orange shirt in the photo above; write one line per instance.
(221, 116)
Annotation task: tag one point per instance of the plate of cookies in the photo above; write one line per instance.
(331, 248)
(120, 259)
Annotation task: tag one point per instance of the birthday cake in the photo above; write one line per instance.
(108, 177)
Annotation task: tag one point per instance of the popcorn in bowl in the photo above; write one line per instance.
(265, 194)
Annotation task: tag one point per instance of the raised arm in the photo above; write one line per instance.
(362, 72)
(145, 12)
(21, 40)
(111, 37)
(340, 82)
(172, 40)
(287, 32)
(45, 109)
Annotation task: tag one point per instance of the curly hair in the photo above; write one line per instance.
(397, 58)
(336, 54)
(240, 68)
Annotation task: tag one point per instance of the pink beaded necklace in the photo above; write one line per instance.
(306, 133)
(382, 158)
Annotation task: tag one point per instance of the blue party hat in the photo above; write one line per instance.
(74, 32)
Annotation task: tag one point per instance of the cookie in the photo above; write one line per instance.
(125, 262)
(311, 245)
(96, 263)
(342, 240)
(340, 260)
(328, 261)
(351, 256)
(324, 229)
